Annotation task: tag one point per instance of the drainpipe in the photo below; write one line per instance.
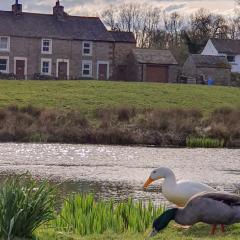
(114, 63)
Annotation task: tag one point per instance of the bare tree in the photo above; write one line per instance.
(140, 19)
(109, 18)
(156, 29)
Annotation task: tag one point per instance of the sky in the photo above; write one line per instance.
(92, 7)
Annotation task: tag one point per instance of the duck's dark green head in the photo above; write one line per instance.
(162, 222)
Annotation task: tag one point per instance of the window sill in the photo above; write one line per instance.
(87, 76)
(46, 74)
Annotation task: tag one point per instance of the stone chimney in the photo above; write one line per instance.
(58, 10)
(17, 8)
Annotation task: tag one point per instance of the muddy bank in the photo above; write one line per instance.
(121, 126)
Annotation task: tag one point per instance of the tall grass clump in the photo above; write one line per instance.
(24, 206)
(193, 142)
(83, 215)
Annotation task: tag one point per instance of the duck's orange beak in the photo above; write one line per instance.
(148, 182)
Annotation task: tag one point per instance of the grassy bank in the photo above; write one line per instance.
(29, 211)
(197, 232)
(87, 96)
(122, 126)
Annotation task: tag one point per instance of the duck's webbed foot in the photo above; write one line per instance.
(223, 228)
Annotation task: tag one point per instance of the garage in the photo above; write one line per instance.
(150, 65)
(156, 73)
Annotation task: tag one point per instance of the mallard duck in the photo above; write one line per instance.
(177, 192)
(211, 208)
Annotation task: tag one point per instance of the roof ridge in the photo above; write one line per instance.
(50, 14)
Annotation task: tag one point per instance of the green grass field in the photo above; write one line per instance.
(89, 95)
(172, 233)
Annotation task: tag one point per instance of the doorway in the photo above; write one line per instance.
(63, 69)
(103, 70)
(20, 68)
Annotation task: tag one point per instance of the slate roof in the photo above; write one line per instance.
(119, 36)
(47, 25)
(227, 46)
(210, 61)
(150, 56)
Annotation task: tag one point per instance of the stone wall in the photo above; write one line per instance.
(173, 73)
(189, 68)
(135, 70)
(121, 53)
(221, 76)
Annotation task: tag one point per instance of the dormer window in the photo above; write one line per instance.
(231, 59)
(4, 43)
(87, 49)
(46, 46)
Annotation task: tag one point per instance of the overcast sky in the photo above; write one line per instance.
(90, 7)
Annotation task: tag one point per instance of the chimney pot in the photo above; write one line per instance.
(17, 8)
(58, 10)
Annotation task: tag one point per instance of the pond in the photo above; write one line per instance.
(119, 172)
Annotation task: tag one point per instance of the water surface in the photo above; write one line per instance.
(120, 172)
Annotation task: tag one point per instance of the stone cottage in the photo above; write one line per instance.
(198, 69)
(60, 46)
(150, 65)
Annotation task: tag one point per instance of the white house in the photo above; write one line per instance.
(225, 47)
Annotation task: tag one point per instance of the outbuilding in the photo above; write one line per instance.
(201, 69)
(150, 65)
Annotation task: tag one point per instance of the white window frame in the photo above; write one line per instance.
(49, 60)
(50, 46)
(8, 44)
(68, 66)
(5, 58)
(90, 69)
(26, 65)
(103, 62)
(90, 48)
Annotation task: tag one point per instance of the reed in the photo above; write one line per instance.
(24, 206)
(83, 215)
(193, 142)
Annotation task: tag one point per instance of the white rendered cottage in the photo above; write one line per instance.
(225, 47)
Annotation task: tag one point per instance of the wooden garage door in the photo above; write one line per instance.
(156, 73)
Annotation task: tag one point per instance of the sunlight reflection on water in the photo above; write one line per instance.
(119, 172)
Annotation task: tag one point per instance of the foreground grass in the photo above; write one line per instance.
(89, 95)
(197, 232)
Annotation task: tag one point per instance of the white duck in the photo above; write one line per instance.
(177, 192)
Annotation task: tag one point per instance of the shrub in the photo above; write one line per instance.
(224, 124)
(24, 206)
(125, 114)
